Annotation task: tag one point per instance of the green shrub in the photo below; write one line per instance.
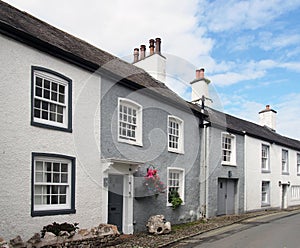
(174, 199)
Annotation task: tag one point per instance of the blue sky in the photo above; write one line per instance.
(250, 49)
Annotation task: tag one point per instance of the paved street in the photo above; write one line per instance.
(279, 230)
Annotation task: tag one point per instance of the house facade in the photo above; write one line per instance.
(271, 166)
(144, 128)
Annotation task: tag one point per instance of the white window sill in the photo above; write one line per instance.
(130, 142)
(228, 164)
(175, 151)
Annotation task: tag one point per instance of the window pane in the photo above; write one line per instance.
(54, 199)
(55, 166)
(62, 199)
(38, 91)
(39, 81)
(64, 167)
(53, 96)
(56, 177)
(54, 87)
(46, 84)
(46, 94)
(61, 98)
(61, 89)
(39, 176)
(54, 189)
(60, 118)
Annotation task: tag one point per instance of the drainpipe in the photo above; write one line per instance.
(204, 170)
(206, 160)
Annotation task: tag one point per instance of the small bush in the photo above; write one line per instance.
(175, 199)
(56, 228)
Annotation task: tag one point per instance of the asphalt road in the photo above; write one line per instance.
(279, 230)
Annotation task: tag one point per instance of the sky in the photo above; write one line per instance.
(250, 49)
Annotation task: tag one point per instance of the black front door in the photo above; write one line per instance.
(115, 200)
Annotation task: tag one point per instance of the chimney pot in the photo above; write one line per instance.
(135, 55)
(151, 46)
(199, 74)
(143, 51)
(267, 107)
(158, 45)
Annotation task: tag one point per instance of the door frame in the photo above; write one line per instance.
(126, 169)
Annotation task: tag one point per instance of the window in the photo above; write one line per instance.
(298, 163)
(53, 184)
(265, 193)
(130, 122)
(295, 193)
(175, 134)
(175, 182)
(51, 100)
(265, 158)
(285, 162)
(228, 149)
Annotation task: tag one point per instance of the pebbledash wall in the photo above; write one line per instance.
(255, 176)
(154, 150)
(19, 140)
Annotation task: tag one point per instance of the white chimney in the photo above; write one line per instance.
(267, 117)
(154, 63)
(200, 88)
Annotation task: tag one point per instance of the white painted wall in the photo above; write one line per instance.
(19, 139)
(254, 176)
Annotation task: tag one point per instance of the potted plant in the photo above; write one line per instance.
(174, 198)
(152, 182)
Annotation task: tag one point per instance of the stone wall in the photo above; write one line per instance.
(102, 236)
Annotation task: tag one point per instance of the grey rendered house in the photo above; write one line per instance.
(144, 126)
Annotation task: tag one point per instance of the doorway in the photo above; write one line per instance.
(115, 201)
(284, 196)
(226, 196)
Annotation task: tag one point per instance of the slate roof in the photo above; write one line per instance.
(243, 127)
(36, 33)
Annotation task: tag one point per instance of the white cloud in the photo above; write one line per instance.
(288, 121)
(226, 15)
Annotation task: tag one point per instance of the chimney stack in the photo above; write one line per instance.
(158, 45)
(151, 42)
(200, 87)
(267, 117)
(143, 51)
(135, 55)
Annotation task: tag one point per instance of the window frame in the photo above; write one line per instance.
(267, 193)
(180, 142)
(181, 187)
(267, 158)
(48, 209)
(60, 79)
(232, 161)
(285, 168)
(139, 122)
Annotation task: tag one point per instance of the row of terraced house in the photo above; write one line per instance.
(80, 128)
